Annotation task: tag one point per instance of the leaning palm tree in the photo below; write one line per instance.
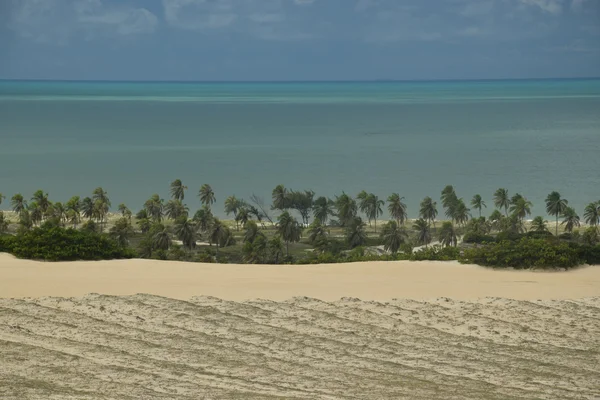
(18, 203)
(232, 205)
(538, 225)
(449, 200)
(178, 190)
(252, 231)
(323, 208)
(288, 229)
(207, 195)
(556, 206)
(242, 217)
(447, 235)
(570, 219)
(428, 210)
(393, 236)
(591, 214)
(423, 233)
(502, 200)
(363, 201)
(185, 230)
(397, 208)
(346, 208)
(478, 203)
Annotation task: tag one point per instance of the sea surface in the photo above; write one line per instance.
(134, 138)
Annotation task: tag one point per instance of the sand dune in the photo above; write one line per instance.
(150, 347)
(431, 333)
(370, 281)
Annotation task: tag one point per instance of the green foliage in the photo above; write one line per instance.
(52, 243)
(436, 253)
(525, 253)
(472, 237)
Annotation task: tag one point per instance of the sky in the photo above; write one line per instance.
(247, 40)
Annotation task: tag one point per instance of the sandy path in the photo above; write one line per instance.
(370, 281)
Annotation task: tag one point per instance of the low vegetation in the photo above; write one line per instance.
(298, 227)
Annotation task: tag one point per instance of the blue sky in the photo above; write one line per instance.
(298, 39)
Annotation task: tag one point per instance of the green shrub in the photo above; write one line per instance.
(525, 253)
(52, 243)
(436, 253)
(472, 237)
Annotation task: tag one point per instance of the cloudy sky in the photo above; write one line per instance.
(298, 39)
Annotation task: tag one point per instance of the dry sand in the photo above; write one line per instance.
(428, 336)
(369, 280)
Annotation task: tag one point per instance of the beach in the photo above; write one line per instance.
(367, 280)
(143, 329)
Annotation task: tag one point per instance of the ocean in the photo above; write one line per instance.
(413, 138)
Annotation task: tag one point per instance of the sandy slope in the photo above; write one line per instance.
(411, 344)
(371, 281)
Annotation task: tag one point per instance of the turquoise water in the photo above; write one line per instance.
(408, 137)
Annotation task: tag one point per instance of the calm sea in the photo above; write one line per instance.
(407, 137)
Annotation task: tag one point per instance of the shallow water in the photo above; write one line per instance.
(408, 137)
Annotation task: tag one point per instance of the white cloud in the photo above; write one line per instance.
(57, 21)
(263, 19)
(549, 6)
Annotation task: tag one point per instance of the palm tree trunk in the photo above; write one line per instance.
(287, 248)
(556, 225)
(375, 225)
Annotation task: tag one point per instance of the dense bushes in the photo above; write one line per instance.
(527, 253)
(53, 243)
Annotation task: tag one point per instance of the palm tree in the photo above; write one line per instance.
(289, 229)
(496, 219)
(59, 212)
(185, 230)
(346, 208)
(87, 208)
(538, 225)
(570, 219)
(502, 200)
(280, 196)
(316, 231)
(175, 209)
(242, 217)
(217, 232)
(397, 208)
(73, 209)
(521, 207)
(591, 214)
(428, 210)
(207, 195)
(161, 239)
(355, 233)
(3, 222)
(275, 248)
(393, 236)
(101, 204)
(252, 232)
(478, 203)
(423, 234)
(363, 201)
(374, 208)
(178, 190)
(35, 212)
(323, 209)
(447, 235)
(154, 207)
(460, 212)
(555, 205)
(144, 224)
(2, 197)
(41, 199)
(125, 211)
(204, 220)
(232, 205)
(121, 231)
(18, 203)
(449, 200)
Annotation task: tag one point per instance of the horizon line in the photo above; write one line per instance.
(301, 81)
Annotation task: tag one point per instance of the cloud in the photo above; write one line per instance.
(548, 6)
(57, 21)
(263, 19)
